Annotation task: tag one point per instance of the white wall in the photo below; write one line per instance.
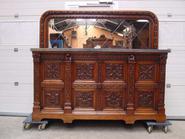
(23, 33)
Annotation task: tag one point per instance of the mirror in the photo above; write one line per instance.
(98, 33)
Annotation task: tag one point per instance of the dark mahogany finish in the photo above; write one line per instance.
(99, 84)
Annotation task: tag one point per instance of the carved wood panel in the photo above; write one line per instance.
(84, 99)
(52, 97)
(146, 72)
(85, 71)
(113, 99)
(114, 71)
(52, 70)
(145, 98)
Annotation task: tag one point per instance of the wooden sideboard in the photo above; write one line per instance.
(99, 84)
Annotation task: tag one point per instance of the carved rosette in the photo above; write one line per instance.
(114, 71)
(113, 99)
(146, 72)
(84, 71)
(145, 99)
(52, 98)
(84, 99)
(52, 71)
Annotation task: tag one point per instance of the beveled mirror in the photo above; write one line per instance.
(106, 29)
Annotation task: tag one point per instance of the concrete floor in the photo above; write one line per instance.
(11, 128)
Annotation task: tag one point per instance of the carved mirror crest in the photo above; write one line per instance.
(85, 29)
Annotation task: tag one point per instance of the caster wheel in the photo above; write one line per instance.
(165, 129)
(27, 126)
(42, 126)
(150, 128)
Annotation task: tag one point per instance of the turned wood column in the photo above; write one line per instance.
(67, 84)
(131, 84)
(36, 67)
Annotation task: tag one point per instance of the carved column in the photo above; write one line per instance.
(67, 84)
(131, 84)
(163, 58)
(99, 91)
(36, 60)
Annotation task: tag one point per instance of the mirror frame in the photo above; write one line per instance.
(153, 26)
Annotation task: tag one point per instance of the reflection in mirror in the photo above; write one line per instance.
(98, 33)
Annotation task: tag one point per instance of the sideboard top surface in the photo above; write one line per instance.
(100, 50)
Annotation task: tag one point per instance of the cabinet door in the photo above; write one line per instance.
(84, 85)
(113, 85)
(146, 86)
(52, 85)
